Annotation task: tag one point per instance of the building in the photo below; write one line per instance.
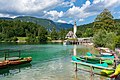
(75, 28)
(73, 39)
(71, 34)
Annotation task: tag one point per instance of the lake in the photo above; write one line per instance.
(50, 62)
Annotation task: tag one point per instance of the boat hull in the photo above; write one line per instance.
(3, 64)
(20, 61)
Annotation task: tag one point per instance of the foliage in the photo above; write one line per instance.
(105, 39)
(104, 21)
(88, 32)
(85, 30)
(62, 34)
(99, 38)
(107, 30)
(54, 34)
(42, 35)
(14, 39)
(111, 40)
(10, 29)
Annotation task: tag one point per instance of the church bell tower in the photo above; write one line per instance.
(75, 28)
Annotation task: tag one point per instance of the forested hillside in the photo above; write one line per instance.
(49, 24)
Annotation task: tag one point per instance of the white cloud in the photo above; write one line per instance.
(53, 15)
(89, 9)
(27, 6)
(47, 8)
(111, 3)
(73, 0)
(61, 21)
(97, 1)
(7, 15)
(81, 20)
(118, 12)
(71, 21)
(78, 12)
(67, 4)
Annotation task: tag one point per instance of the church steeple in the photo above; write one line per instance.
(75, 28)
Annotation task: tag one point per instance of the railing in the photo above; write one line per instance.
(7, 53)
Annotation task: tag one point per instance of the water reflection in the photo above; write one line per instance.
(82, 75)
(11, 70)
(74, 50)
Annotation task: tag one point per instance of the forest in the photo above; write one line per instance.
(11, 30)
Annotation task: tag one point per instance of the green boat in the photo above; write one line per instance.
(88, 63)
(98, 59)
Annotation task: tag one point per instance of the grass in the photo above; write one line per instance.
(22, 39)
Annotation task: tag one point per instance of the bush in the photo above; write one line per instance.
(14, 39)
(105, 39)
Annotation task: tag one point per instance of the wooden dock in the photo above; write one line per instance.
(78, 41)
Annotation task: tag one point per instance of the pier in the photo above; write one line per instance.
(78, 41)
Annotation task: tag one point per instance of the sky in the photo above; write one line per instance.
(65, 11)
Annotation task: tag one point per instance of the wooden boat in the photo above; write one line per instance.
(3, 64)
(20, 61)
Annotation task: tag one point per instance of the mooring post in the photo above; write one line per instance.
(100, 60)
(19, 53)
(75, 66)
(5, 55)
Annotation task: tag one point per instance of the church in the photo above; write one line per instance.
(72, 34)
(71, 37)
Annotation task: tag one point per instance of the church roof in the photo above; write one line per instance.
(70, 33)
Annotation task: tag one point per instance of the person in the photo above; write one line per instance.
(118, 77)
(116, 74)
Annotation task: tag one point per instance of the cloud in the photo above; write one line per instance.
(97, 1)
(91, 8)
(73, 0)
(61, 21)
(81, 20)
(78, 12)
(118, 12)
(57, 10)
(53, 15)
(67, 4)
(7, 15)
(27, 7)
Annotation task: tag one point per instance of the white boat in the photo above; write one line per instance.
(65, 42)
(104, 51)
(117, 50)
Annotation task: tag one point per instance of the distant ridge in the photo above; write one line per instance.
(5, 18)
(49, 24)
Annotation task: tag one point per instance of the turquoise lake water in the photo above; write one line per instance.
(50, 62)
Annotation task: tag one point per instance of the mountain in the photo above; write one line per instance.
(49, 24)
(89, 25)
(5, 18)
(43, 22)
(117, 20)
(63, 25)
